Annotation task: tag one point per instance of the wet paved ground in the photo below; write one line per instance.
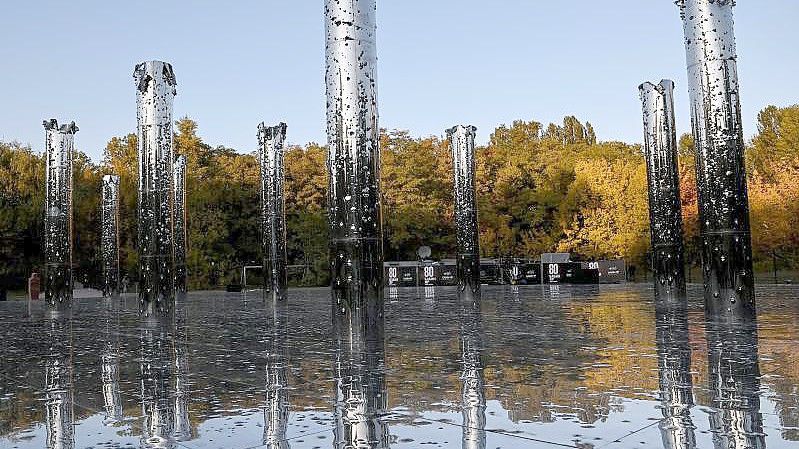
(534, 367)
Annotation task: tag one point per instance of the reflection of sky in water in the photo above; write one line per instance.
(579, 369)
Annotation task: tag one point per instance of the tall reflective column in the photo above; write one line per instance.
(734, 381)
(665, 212)
(354, 202)
(180, 223)
(155, 89)
(472, 377)
(58, 228)
(461, 140)
(674, 368)
(360, 383)
(276, 409)
(109, 240)
(719, 141)
(273, 215)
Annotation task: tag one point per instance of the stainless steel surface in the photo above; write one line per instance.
(461, 139)
(273, 215)
(353, 135)
(155, 90)
(721, 174)
(109, 239)
(58, 227)
(181, 243)
(665, 212)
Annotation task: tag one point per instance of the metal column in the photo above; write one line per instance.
(665, 212)
(354, 202)
(461, 140)
(273, 216)
(155, 89)
(58, 227)
(720, 171)
(180, 223)
(109, 244)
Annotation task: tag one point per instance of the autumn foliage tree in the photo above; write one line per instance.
(540, 188)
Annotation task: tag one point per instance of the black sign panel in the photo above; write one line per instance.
(523, 273)
(610, 271)
(569, 273)
(428, 275)
(401, 275)
(446, 274)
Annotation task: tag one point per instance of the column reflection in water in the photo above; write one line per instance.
(720, 171)
(109, 366)
(156, 373)
(473, 387)
(665, 212)
(164, 383)
(354, 201)
(734, 381)
(155, 89)
(109, 222)
(183, 428)
(59, 388)
(58, 232)
(461, 140)
(273, 218)
(276, 410)
(180, 223)
(674, 368)
(361, 399)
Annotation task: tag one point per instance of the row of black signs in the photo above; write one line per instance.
(414, 274)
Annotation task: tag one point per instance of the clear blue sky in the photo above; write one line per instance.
(441, 62)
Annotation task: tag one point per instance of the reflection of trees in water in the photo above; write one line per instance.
(674, 363)
(583, 349)
(360, 390)
(560, 372)
(59, 394)
(777, 333)
(734, 382)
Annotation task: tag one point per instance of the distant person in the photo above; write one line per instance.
(631, 270)
(125, 284)
(34, 286)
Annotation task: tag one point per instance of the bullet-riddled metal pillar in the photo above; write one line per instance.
(356, 230)
(273, 218)
(180, 222)
(109, 222)
(720, 171)
(461, 140)
(665, 213)
(155, 83)
(58, 233)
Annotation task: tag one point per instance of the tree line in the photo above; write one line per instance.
(540, 189)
